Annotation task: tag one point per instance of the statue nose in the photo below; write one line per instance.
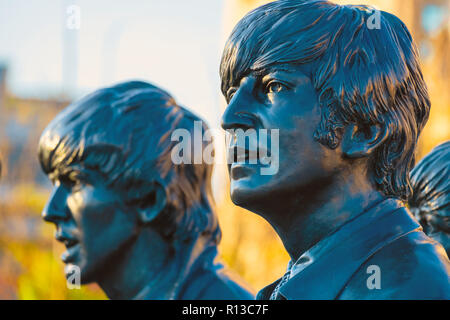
(239, 113)
(55, 209)
(238, 120)
(238, 116)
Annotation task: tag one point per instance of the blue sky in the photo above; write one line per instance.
(175, 44)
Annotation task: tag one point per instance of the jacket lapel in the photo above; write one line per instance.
(350, 247)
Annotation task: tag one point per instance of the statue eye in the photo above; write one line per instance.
(67, 181)
(72, 179)
(230, 93)
(274, 87)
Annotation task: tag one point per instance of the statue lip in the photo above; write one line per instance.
(247, 156)
(71, 253)
(244, 161)
(240, 170)
(69, 242)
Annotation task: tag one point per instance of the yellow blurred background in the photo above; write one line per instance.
(29, 257)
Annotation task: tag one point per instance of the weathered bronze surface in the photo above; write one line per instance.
(349, 100)
(132, 221)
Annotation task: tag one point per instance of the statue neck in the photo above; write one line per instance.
(151, 268)
(302, 223)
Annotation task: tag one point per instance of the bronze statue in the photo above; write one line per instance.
(132, 221)
(430, 201)
(349, 101)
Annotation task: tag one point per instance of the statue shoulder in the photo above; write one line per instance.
(412, 267)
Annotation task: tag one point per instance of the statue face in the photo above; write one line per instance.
(91, 220)
(285, 100)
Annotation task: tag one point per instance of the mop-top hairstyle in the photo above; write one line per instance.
(124, 132)
(362, 75)
(431, 182)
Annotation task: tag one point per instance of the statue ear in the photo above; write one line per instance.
(152, 204)
(361, 141)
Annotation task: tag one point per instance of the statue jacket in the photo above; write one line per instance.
(380, 254)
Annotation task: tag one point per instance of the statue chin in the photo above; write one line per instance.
(81, 274)
(246, 196)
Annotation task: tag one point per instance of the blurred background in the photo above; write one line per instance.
(53, 52)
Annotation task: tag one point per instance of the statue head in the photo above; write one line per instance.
(344, 95)
(109, 158)
(430, 201)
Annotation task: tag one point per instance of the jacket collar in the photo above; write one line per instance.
(338, 256)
